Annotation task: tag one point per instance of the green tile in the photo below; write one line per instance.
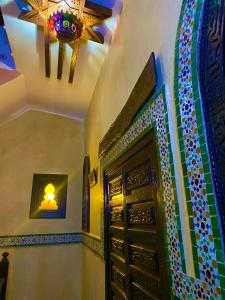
(221, 269)
(195, 253)
(213, 211)
(206, 167)
(219, 256)
(208, 178)
(202, 140)
(209, 188)
(222, 281)
(211, 200)
(216, 233)
(192, 235)
(196, 267)
(189, 208)
(218, 244)
(214, 221)
(205, 158)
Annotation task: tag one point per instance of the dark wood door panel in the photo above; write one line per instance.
(148, 281)
(146, 194)
(117, 293)
(118, 277)
(140, 293)
(117, 246)
(141, 214)
(118, 164)
(144, 258)
(143, 236)
(117, 232)
(134, 236)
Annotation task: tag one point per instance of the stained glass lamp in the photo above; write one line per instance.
(66, 21)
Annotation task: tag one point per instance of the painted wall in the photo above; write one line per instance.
(45, 273)
(93, 268)
(38, 142)
(144, 26)
(128, 54)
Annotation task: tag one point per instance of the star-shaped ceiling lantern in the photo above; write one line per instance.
(66, 21)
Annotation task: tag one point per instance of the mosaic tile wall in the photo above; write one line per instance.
(205, 233)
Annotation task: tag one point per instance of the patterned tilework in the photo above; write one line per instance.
(32, 240)
(207, 248)
(40, 239)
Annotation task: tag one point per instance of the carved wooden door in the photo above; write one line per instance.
(135, 260)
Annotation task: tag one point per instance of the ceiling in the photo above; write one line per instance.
(28, 88)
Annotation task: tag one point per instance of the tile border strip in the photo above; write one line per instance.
(52, 239)
(30, 240)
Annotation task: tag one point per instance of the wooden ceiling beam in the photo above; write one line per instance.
(96, 36)
(97, 10)
(32, 17)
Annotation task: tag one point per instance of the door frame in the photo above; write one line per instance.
(151, 135)
(154, 116)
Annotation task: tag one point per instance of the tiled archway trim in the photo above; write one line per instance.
(205, 233)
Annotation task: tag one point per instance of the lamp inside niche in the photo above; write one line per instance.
(49, 202)
(49, 193)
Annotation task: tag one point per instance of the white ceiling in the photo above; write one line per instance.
(30, 89)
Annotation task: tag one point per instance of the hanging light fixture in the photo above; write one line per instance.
(66, 21)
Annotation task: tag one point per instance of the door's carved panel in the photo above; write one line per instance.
(118, 277)
(138, 178)
(144, 257)
(141, 216)
(116, 215)
(117, 246)
(115, 187)
(139, 293)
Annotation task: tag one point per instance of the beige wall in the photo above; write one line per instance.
(45, 273)
(144, 26)
(38, 142)
(93, 276)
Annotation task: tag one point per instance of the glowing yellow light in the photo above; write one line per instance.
(49, 202)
